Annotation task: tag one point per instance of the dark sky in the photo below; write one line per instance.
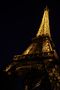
(19, 23)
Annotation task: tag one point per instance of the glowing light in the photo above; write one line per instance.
(46, 46)
(44, 27)
(28, 49)
(7, 68)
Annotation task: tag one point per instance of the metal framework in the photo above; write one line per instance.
(38, 64)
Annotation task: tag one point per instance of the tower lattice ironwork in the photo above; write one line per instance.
(39, 63)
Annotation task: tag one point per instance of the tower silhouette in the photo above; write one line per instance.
(38, 65)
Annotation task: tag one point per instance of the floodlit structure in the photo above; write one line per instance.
(38, 64)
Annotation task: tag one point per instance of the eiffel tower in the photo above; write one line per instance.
(38, 65)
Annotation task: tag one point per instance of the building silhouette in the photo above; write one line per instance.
(37, 68)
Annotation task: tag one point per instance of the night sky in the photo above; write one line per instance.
(19, 23)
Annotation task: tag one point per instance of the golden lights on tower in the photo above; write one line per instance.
(44, 28)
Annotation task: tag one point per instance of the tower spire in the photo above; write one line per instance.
(44, 28)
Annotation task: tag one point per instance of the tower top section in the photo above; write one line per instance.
(42, 43)
(44, 28)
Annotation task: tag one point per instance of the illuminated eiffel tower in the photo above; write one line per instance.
(38, 64)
